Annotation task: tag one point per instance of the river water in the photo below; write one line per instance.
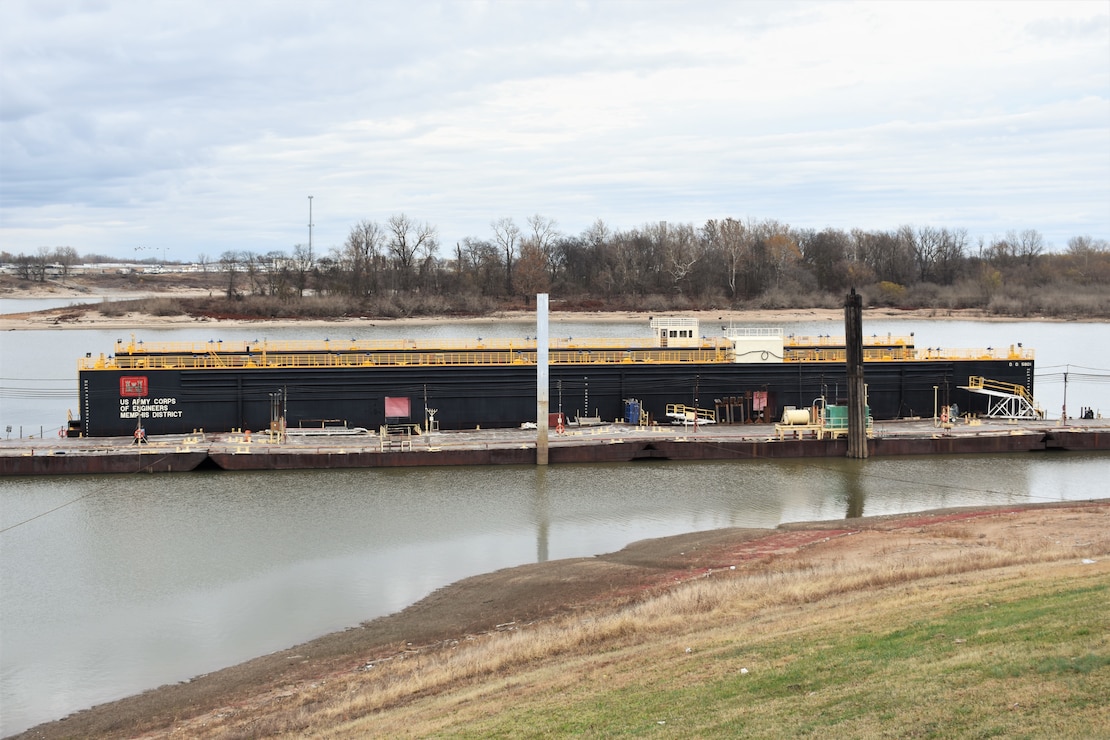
(111, 585)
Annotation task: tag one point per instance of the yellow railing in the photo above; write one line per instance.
(982, 353)
(890, 348)
(979, 383)
(371, 353)
(839, 354)
(831, 341)
(898, 354)
(134, 347)
(682, 412)
(397, 359)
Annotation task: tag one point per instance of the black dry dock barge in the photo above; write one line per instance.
(744, 376)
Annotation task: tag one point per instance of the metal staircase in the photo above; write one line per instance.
(1007, 400)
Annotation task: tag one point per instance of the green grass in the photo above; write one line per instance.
(1020, 665)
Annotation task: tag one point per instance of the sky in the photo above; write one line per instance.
(167, 129)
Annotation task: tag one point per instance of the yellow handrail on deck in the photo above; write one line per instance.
(978, 382)
(371, 353)
(681, 412)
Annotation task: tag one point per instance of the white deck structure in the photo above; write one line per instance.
(1007, 401)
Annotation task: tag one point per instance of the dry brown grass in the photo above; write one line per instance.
(871, 579)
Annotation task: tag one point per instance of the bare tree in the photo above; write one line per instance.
(409, 242)
(597, 234)
(302, 266)
(66, 257)
(585, 260)
(679, 244)
(774, 251)
(532, 271)
(1001, 252)
(545, 237)
(25, 266)
(229, 264)
(506, 235)
(361, 255)
(925, 243)
(731, 240)
(826, 254)
(1088, 259)
(644, 260)
(39, 263)
(888, 254)
(1028, 245)
(463, 271)
(254, 270)
(1016, 247)
(1086, 245)
(952, 256)
(278, 275)
(483, 261)
(937, 252)
(782, 253)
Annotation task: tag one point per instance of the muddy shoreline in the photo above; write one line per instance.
(62, 319)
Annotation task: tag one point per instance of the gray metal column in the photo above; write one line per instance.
(542, 382)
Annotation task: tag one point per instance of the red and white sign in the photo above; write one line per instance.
(133, 386)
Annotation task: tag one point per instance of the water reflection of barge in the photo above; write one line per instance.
(745, 375)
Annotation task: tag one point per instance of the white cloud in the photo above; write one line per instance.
(204, 126)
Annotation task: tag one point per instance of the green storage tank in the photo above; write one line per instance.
(836, 417)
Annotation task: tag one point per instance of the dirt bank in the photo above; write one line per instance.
(517, 598)
(74, 318)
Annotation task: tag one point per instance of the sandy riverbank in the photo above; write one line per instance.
(73, 318)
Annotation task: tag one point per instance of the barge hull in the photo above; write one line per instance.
(641, 451)
(178, 401)
(614, 444)
(121, 463)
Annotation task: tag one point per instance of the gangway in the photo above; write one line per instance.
(1007, 400)
(683, 414)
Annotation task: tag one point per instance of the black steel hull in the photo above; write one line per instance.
(176, 401)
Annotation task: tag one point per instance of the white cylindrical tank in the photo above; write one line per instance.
(795, 416)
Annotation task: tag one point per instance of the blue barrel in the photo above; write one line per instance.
(631, 411)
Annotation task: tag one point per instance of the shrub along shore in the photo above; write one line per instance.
(189, 310)
(186, 297)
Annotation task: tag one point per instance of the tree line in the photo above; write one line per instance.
(43, 263)
(720, 263)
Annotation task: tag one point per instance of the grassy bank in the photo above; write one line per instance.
(1010, 659)
(981, 626)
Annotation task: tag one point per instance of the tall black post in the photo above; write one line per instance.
(857, 392)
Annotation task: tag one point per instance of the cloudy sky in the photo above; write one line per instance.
(196, 127)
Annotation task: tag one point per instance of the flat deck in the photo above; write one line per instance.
(612, 442)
